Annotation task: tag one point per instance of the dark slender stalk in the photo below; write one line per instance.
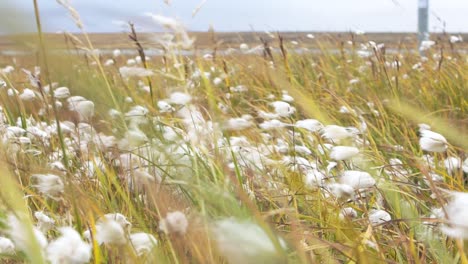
(133, 36)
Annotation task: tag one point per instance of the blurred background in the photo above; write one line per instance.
(241, 15)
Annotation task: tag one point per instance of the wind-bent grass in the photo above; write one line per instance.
(247, 177)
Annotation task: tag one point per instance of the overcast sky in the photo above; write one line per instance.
(241, 15)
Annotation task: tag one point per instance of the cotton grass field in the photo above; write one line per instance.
(261, 153)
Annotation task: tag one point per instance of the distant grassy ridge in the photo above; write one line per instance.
(224, 39)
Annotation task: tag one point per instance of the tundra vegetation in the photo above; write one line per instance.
(268, 153)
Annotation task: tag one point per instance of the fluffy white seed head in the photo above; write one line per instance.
(27, 95)
(49, 184)
(314, 178)
(452, 164)
(455, 39)
(244, 47)
(340, 191)
(377, 217)
(175, 222)
(457, 212)
(68, 248)
(357, 179)
(180, 98)
(6, 246)
(116, 53)
(111, 229)
(432, 141)
(343, 152)
(287, 98)
(143, 243)
(21, 235)
(61, 93)
(165, 107)
(426, 44)
(347, 213)
(134, 71)
(465, 165)
(312, 125)
(335, 133)
(272, 124)
(283, 109)
(44, 222)
(83, 107)
(239, 123)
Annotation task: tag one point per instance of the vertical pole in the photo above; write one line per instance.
(423, 21)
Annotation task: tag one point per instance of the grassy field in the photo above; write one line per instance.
(286, 156)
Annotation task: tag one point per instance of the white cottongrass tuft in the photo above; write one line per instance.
(455, 39)
(314, 178)
(272, 124)
(267, 116)
(83, 107)
(452, 164)
(239, 89)
(111, 229)
(335, 133)
(245, 242)
(109, 62)
(302, 150)
(133, 138)
(208, 56)
(377, 217)
(175, 222)
(217, 81)
(283, 109)
(244, 47)
(44, 222)
(456, 225)
(116, 53)
(426, 44)
(312, 125)
(465, 165)
(286, 97)
(7, 70)
(180, 98)
(143, 243)
(68, 248)
(357, 179)
(27, 95)
(49, 184)
(347, 213)
(6, 246)
(347, 110)
(12, 92)
(61, 93)
(141, 177)
(165, 107)
(137, 116)
(24, 239)
(343, 152)
(432, 141)
(239, 123)
(134, 71)
(340, 191)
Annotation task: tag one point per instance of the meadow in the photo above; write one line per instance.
(268, 151)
